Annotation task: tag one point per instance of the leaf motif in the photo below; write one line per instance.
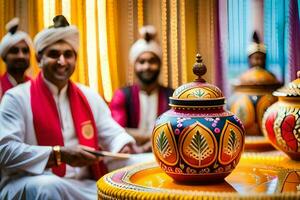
(233, 144)
(198, 93)
(163, 145)
(199, 148)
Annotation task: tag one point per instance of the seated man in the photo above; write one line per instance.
(47, 124)
(136, 107)
(15, 52)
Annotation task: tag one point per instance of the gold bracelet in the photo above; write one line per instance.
(57, 154)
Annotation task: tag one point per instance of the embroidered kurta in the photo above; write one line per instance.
(20, 154)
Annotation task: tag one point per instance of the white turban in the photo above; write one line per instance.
(60, 31)
(145, 44)
(13, 37)
(256, 46)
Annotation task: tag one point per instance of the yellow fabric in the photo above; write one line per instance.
(164, 42)
(35, 24)
(186, 27)
(183, 46)
(7, 12)
(98, 43)
(112, 29)
(78, 19)
(206, 33)
(174, 43)
(191, 39)
(140, 14)
(58, 7)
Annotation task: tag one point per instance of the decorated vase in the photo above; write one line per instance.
(251, 98)
(197, 139)
(281, 122)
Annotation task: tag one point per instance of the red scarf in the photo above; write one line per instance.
(6, 84)
(47, 124)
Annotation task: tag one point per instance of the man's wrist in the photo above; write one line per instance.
(57, 155)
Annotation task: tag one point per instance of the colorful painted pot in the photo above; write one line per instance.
(197, 140)
(281, 122)
(252, 96)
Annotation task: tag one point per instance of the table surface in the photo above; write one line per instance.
(265, 175)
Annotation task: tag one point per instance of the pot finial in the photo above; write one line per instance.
(199, 68)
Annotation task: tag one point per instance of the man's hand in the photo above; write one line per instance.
(134, 148)
(147, 147)
(141, 137)
(77, 157)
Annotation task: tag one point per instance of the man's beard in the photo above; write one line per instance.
(18, 67)
(148, 80)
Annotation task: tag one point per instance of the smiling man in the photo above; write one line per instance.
(136, 107)
(48, 125)
(15, 52)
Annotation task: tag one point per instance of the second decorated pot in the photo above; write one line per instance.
(251, 98)
(281, 122)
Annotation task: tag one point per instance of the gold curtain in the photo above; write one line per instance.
(78, 18)
(206, 35)
(112, 40)
(7, 12)
(58, 7)
(36, 24)
(185, 27)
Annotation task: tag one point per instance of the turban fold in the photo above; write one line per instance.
(61, 30)
(145, 44)
(256, 46)
(13, 37)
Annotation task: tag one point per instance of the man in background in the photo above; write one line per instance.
(15, 52)
(256, 52)
(136, 107)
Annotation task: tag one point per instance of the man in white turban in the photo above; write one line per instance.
(15, 52)
(50, 125)
(136, 107)
(256, 52)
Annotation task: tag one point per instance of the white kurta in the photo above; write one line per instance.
(148, 111)
(21, 158)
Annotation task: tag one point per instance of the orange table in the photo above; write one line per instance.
(265, 175)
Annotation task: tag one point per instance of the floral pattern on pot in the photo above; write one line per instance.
(164, 144)
(197, 140)
(198, 146)
(204, 144)
(281, 124)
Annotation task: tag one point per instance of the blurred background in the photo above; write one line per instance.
(220, 30)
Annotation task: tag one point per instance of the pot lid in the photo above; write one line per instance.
(257, 76)
(198, 93)
(291, 90)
